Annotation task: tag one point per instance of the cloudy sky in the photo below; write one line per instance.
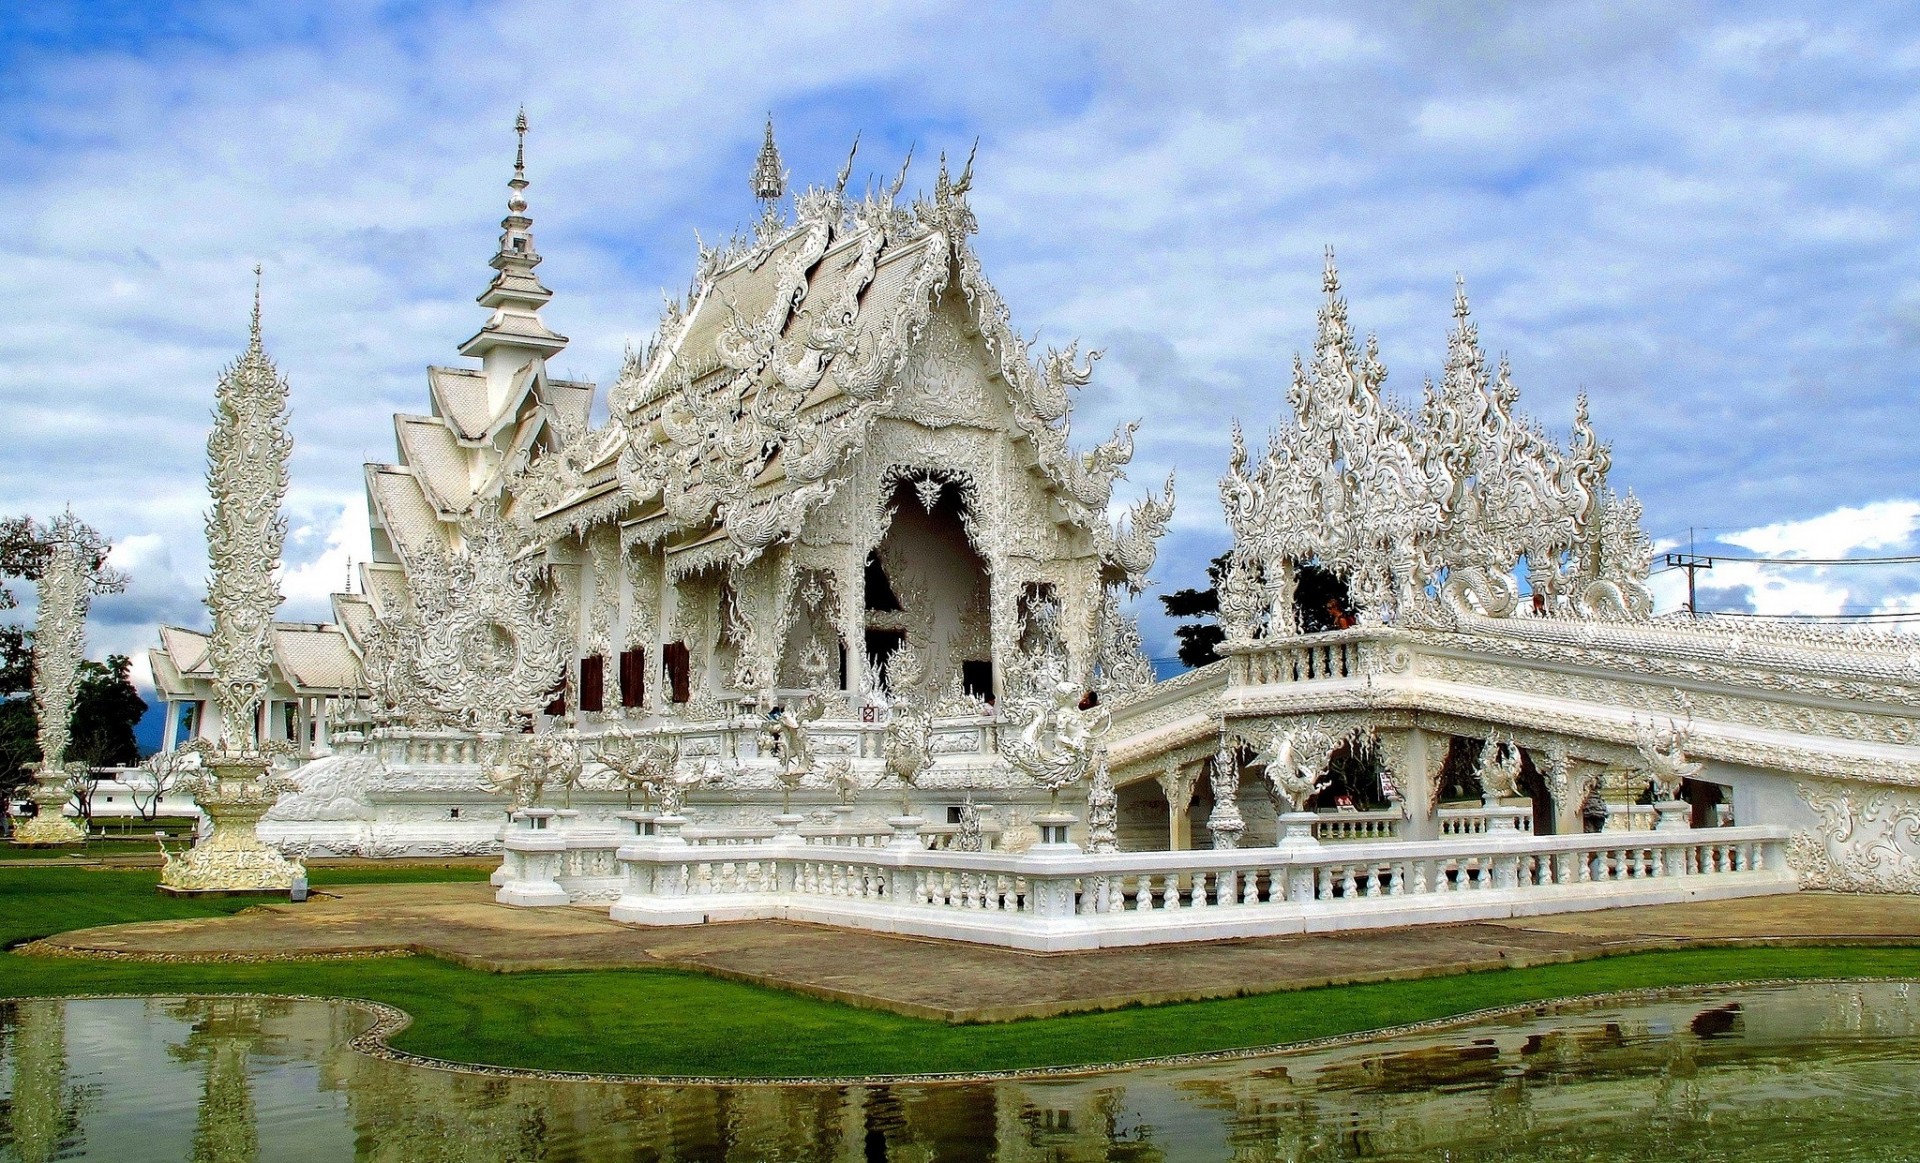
(1704, 216)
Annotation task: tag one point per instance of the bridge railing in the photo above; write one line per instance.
(1056, 897)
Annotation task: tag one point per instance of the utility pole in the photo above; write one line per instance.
(1692, 563)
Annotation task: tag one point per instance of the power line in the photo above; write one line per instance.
(1909, 559)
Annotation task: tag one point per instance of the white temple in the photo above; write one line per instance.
(833, 575)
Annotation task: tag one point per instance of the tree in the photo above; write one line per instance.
(1320, 603)
(165, 771)
(106, 709)
(1201, 634)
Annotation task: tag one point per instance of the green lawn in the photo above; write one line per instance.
(664, 1022)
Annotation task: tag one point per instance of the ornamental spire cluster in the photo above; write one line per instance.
(769, 180)
(1446, 501)
(247, 478)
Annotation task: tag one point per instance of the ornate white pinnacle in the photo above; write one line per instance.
(769, 180)
(247, 479)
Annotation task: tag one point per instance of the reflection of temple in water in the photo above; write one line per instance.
(1667, 1079)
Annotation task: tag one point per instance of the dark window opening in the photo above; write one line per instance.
(880, 647)
(679, 668)
(1320, 600)
(593, 681)
(976, 678)
(558, 706)
(880, 595)
(633, 677)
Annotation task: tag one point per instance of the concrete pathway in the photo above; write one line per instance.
(944, 980)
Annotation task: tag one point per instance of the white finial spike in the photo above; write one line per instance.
(769, 182)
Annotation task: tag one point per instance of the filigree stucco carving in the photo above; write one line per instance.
(482, 645)
(1868, 839)
(1424, 513)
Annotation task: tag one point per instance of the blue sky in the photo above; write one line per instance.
(1703, 215)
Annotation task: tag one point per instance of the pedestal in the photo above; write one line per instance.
(1672, 815)
(234, 793)
(1296, 830)
(786, 825)
(906, 831)
(50, 828)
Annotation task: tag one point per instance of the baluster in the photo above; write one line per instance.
(1347, 888)
(1323, 884)
(1372, 887)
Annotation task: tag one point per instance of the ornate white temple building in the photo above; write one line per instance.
(834, 575)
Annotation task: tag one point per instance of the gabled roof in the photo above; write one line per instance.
(187, 649)
(402, 509)
(459, 396)
(316, 659)
(428, 447)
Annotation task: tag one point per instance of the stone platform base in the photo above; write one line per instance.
(214, 893)
(941, 980)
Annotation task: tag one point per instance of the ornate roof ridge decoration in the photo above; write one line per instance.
(754, 426)
(247, 455)
(1425, 514)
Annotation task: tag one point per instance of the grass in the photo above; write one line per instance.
(668, 1022)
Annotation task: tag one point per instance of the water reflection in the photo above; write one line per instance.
(1804, 1072)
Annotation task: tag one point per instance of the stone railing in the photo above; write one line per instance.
(1479, 821)
(1337, 654)
(1055, 897)
(1380, 824)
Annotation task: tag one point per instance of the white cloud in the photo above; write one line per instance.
(1880, 525)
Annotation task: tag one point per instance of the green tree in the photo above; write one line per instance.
(1199, 610)
(106, 709)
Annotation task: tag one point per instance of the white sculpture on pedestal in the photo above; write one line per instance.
(247, 478)
(74, 571)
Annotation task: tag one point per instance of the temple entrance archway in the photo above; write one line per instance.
(927, 587)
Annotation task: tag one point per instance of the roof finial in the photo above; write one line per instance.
(516, 201)
(1460, 308)
(254, 332)
(769, 183)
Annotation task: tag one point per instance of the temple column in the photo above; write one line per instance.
(1177, 784)
(1415, 761)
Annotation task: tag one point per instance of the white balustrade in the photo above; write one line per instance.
(1067, 899)
(1380, 824)
(1479, 821)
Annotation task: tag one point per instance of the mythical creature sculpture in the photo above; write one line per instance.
(907, 742)
(482, 646)
(1296, 761)
(523, 767)
(638, 761)
(1663, 756)
(1056, 746)
(1498, 771)
(787, 737)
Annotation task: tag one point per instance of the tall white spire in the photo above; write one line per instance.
(515, 333)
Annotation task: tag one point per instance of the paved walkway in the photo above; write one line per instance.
(942, 979)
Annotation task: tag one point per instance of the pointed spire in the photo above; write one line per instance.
(1460, 309)
(517, 201)
(515, 294)
(253, 341)
(769, 181)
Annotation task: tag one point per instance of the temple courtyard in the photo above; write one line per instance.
(956, 981)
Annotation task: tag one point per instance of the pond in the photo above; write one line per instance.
(1802, 1072)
